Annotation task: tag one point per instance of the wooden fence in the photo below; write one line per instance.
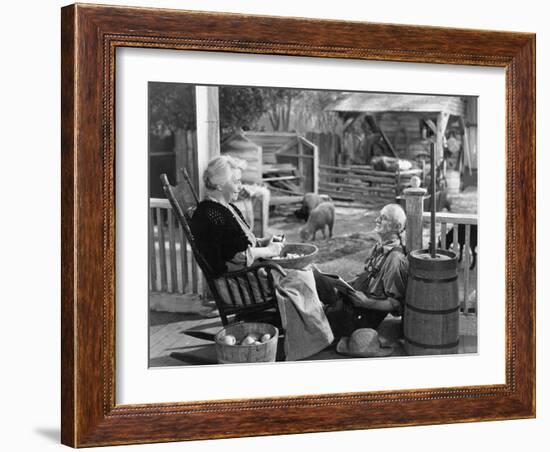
(172, 267)
(362, 185)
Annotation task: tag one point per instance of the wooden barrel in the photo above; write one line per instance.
(257, 353)
(430, 320)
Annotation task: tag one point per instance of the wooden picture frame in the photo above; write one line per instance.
(90, 36)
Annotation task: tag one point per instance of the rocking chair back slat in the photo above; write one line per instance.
(190, 184)
(230, 291)
(242, 291)
(249, 288)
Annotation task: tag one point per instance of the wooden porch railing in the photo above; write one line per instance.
(172, 267)
(456, 220)
(416, 220)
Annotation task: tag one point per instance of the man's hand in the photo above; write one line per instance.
(359, 299)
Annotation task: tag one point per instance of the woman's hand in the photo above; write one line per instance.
(271, 249)
(264, 241)
(274, 248)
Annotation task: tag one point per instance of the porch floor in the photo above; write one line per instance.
(169, 346)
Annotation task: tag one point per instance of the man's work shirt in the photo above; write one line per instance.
(385, 273)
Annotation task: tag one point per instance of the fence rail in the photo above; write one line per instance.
(362, 184)
(172, 267)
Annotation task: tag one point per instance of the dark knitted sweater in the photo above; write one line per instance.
(217, 234)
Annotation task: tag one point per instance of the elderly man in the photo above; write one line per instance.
(381, 287)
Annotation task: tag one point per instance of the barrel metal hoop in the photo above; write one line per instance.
(438, 346)
(432, 281)
(432, 311)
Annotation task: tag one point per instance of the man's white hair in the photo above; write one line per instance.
(396, 215)
(218, 171)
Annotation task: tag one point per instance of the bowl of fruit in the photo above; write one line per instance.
(296, 255)
(247, 342)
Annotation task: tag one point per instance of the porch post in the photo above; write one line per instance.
(414, 207)
(208, 141)
(442, 120)
(208, 128)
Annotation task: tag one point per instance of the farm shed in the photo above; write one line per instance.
(286, 162)
(397, 120)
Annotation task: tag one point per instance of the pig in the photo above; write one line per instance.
(310, 201)
(319, 218)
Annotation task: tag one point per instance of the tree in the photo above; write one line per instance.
(279, 106)
(171, 106)
(240, 108)
(172, 111)
(312, 115)
(302, 110)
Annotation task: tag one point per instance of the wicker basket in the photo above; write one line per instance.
(258, 353)
(308, 250)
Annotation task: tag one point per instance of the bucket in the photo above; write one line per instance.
(430, 319)
(258, 353)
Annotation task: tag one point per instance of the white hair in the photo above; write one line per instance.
(396, 215)
(218, 171)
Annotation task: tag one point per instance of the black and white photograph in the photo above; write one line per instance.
(292, 224)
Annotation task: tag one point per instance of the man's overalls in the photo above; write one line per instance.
(343, 316)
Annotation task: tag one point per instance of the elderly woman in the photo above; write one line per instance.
(219, 228)
(227, 243)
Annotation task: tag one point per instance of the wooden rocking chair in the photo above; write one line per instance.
(248, 294)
